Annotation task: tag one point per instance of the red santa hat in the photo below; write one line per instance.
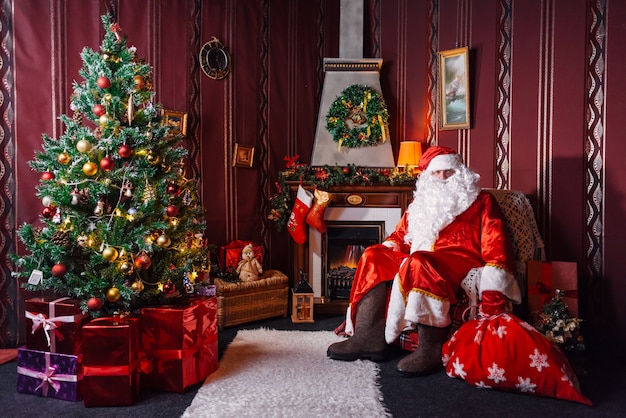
(439, 158)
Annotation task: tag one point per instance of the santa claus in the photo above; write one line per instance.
(451, 227)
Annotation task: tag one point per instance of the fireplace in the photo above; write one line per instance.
(342, 246)
(378, 205)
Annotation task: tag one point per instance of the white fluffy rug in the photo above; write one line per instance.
(270, 373)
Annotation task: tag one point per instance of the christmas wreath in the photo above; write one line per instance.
(358, 118)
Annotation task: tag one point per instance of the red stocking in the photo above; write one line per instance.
(296, 224)
(315, 218)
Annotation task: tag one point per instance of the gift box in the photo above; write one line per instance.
(180, 344)
(54, 324)
(51, 375)
(230, 254)
(111, 362)
(544, 278)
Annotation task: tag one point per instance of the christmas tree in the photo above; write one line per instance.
(122, 226)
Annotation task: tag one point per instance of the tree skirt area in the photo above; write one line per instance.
(270, 373)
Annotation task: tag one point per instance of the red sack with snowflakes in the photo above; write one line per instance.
(500, 351)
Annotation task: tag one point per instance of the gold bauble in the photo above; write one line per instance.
(127, 268)
(137, 286)
(90, 168)
(153, 158)
(110, 254)
(163, 241)
(104, 120)
(83, 145)
(64, 158)
(113, 294)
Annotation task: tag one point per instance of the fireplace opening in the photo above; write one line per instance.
(342, 247)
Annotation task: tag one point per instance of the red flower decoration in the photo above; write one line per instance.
(321, 174)
(291, 162)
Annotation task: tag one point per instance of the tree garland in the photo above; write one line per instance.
(358, 118)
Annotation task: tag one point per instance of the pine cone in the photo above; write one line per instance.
(78, 118)
(61, 238)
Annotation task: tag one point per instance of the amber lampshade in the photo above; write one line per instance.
(410, 154)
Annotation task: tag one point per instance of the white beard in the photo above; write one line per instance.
(436, 203)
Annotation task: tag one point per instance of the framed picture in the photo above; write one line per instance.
(454, 94)
(177, 122)
(243, 156)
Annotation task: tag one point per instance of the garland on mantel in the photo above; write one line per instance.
(323, 178)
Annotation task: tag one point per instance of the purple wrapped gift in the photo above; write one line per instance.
(48, 374)
(208, 290)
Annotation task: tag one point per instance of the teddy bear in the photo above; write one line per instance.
(249, 267)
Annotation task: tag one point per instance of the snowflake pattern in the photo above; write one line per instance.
(482, 385)
(499, 331)
(496, 373)
(458, 368)
(539, 360)
(525, 385)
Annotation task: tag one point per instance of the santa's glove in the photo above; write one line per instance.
(296, 224)
(492, 303)
(315, 218)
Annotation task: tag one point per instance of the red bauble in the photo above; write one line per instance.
(47, 212)
(142, 262)
(171, 211)
(107, 163)
(125, 151)
(47, 176)
(173, 189)
(169, 288)
(59, 270)
(103, 82)
(94, 304)
(99, 110)
(346, 170)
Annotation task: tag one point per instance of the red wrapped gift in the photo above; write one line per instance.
(111, 362)
(48, 374)
(230, 254)
(544, 278)
(54, 324)
(180, 344)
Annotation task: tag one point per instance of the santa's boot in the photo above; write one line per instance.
(426, 359)
(368, 341)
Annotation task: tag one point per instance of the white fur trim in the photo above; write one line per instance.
(392, 244)
(349, 330)
(305, 196)
(395, 313)
(495, 278)
(444, 162)
(427, 310)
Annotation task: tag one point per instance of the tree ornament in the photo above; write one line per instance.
(107, 163)
(125, 151)
(75, 197)
(104, 120)
(81, 240)
(137, 286)
(143, 261)
(90, 168)
(139, 81)
(64, 158)
(94, 304)
(169, 287)
(47, 201)
(47, 175)
(99, 209)
(110, 254)
(83, 145)
(148, 193)
(130, 109)
(113, 294)
(171, 211)
(126, 268)
(153, 158)
(107, 98)
(59, 270)
(60, 238)
(99, 110)
(173, 189)
(163, 241)
(103, 82)
(358, 118)
(77, 117)
(47, 212)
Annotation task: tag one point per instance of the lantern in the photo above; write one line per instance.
(302, 301)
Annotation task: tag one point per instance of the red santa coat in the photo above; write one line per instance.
(426, 283)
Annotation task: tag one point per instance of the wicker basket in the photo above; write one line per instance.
(238, 303)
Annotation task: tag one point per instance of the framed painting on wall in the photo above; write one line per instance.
(176, 121)
(454, 94)
(243, 156)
